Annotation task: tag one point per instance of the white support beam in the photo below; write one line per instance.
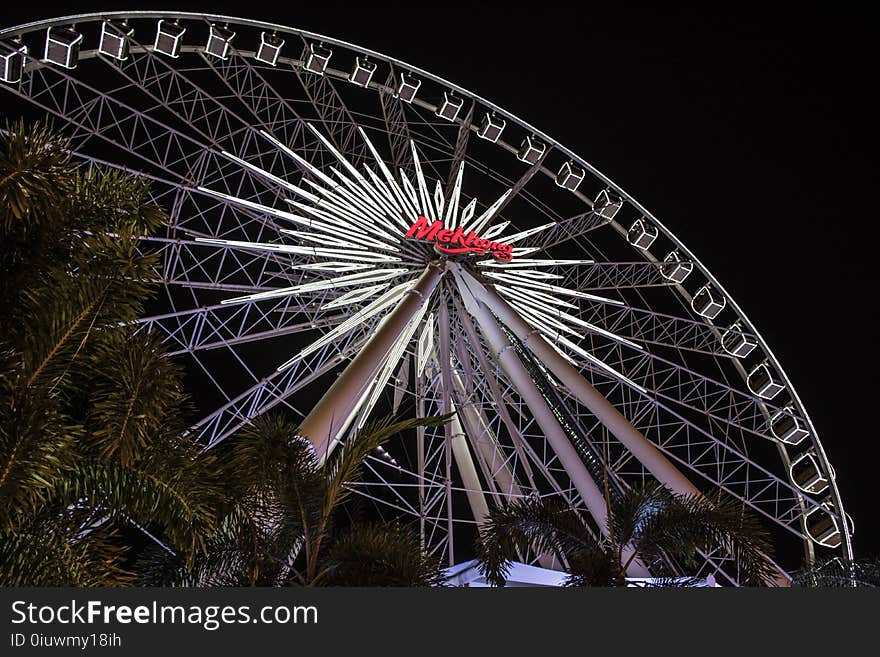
(486, 444)
(631, 438)
(446, 407)
(329, 416)
(507, 359)
(468, 472)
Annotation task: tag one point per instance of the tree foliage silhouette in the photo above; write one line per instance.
(281, 525)
(91, 411)
(649, 522)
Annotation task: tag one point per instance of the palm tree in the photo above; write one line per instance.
(370, 555)
(282, 525)
(649, 523)
(93, 416)
(91, 412)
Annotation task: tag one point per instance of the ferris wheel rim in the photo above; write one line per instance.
(679, 245)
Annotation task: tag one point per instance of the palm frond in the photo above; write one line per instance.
(633, 509)
(274, 491)
(268, 453)
(373, 555)
(688, 523)
(128, 493)
(35, 174)
(37, 447)
(593, 565)
(834, 572)
(540, 525)
(346, 463)
(135, 390)
(672, 583)
(48, 548)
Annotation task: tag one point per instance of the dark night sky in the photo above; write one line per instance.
(745, 132)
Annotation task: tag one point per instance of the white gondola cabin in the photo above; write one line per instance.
(62, 46)
(169, 37)
(674, 268)
(316, 58)
(219, 42)
(806, 474)
(763, 383)
(12, 58)
(531, 150)
(570, 176)
(270, 48)
(738, 343)
(642, 234)
(491, 127)
(823, 525)
(363, 72)
(450, 107)
(788, 427)
(115, 39)
(408, 87)
(707, 302)
(606, 205)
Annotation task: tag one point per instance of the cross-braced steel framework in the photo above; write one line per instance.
(291, 179)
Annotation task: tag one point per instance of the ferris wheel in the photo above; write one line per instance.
(350, 235)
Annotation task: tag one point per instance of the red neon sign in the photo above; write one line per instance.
(455, 241)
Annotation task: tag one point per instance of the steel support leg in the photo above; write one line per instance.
(513, 367)
(630, 437)
(468, 472)
(330, 416)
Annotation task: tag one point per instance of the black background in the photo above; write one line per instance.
(747, 132)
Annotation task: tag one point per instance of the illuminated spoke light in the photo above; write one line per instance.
(391, 362)
(513, 239)
(522, 262)
(355, 296)
(333, 266)
(382, 303)
(533, 294)
(519, 279)
(342, 254)
(353, 217)
(328, 284)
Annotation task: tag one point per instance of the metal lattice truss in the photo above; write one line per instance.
(291, 188)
